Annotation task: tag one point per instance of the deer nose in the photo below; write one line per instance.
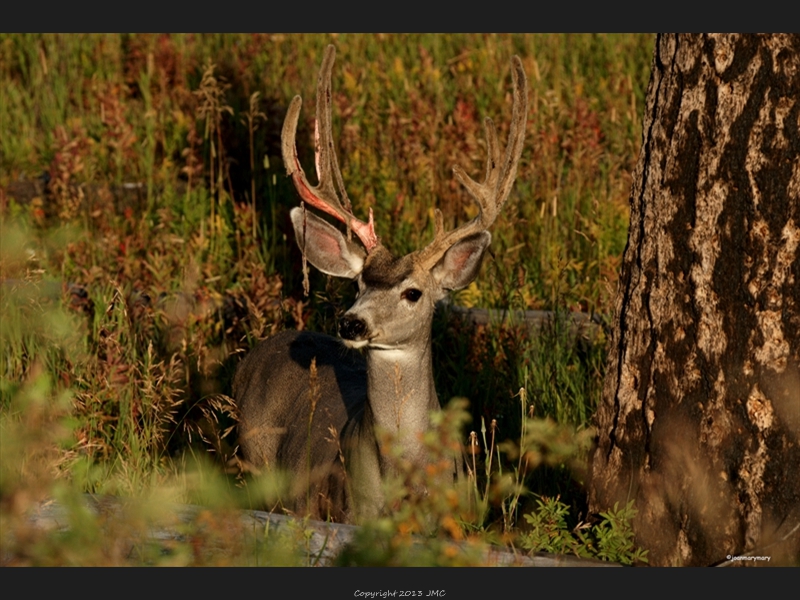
(351, 328)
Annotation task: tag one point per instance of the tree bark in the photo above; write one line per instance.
(700, 417)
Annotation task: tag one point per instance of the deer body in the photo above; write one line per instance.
(325, 428)
(275, 426)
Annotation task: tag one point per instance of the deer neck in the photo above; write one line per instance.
(401, 393)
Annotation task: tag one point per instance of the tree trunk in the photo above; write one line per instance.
(700, 417)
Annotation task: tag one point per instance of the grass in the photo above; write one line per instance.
(145, 248)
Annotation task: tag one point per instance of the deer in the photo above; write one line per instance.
(314, 405)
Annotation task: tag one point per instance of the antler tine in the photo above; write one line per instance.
(490, 195)
(323, 196)
(323, 131)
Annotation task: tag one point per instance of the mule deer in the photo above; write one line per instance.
(320, 423)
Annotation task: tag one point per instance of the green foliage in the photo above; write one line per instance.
(611, 539)
(548, 530)
(502, 480)
(615, 536)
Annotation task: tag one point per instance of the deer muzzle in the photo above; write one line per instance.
(352, 328)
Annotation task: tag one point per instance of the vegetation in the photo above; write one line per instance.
(145, 246)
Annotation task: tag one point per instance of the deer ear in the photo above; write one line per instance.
(460, 264)
(325, 246)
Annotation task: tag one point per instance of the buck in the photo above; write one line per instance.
(314, 405)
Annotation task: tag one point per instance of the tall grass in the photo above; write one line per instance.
(145, 240)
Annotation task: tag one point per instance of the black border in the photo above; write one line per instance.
(390, 17)
(332, 583)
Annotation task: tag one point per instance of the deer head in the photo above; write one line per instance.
(396, 295)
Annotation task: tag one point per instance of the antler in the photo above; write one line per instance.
(323, 196)
(493, 192)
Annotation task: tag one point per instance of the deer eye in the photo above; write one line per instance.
(411, 294)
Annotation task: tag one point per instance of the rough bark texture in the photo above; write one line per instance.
(700, 418)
